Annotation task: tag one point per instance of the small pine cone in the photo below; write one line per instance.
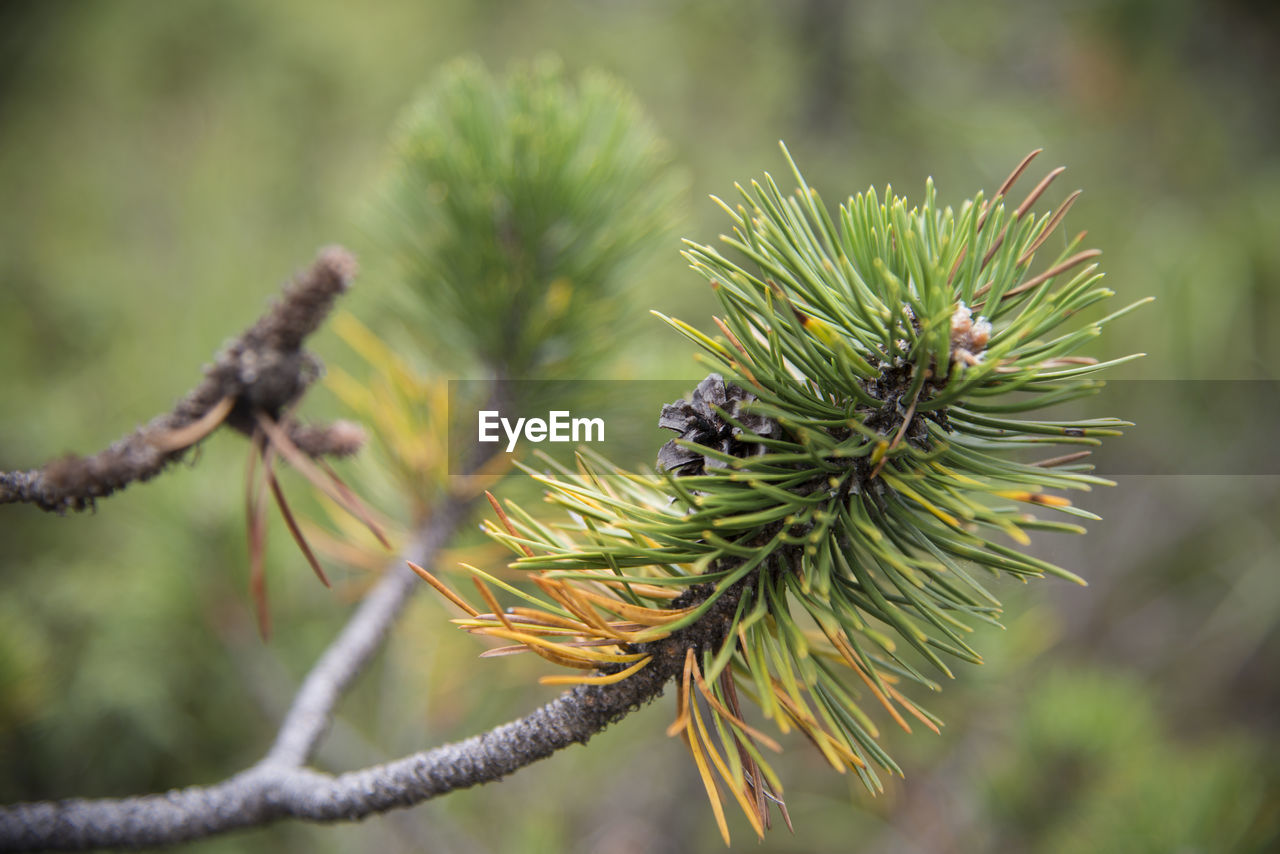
(696, 420)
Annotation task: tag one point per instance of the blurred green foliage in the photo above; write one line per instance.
(517, 209)
(164, 167)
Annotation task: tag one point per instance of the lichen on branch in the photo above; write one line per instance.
(265, 370)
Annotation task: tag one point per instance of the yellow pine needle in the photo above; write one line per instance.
(342, 551)
(955, 475)
(587, 657)
(816, 736)
(713, 791)
(605, 679)
(501, 651)
(850, 657)
(570, 597)
(694, 334)
(637, 613)
(766, 700)
(831, 748)
(735, 785)
(1034, 498)
(442, 589)
(682, 696)
(551, 619)
(354, 529)
(360, 338)
(1016, 534)
(648, 591)
(551, 623)
(911, 707)
(901, 486)
(351, 393)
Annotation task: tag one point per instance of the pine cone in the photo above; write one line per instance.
(696, 420)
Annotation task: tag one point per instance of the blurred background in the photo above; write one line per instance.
(164, 167)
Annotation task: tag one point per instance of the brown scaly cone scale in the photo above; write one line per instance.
(697, 421)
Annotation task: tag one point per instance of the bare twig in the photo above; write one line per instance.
(264, 370)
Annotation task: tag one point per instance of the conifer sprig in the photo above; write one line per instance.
(827, 543)
(516, 210)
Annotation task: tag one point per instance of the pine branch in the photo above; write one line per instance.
(278, 787)
(271, 791)
(264, 370)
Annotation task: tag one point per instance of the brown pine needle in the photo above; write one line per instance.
(185, 437)
(255, 522)
(720, 709)
(503, 651)
(566, 596)
(353, 499)
(492, 602)
(1018, 214)
(511, 529)
(1008, 184)
(851, 658)
(284, 445)
(964, 251)
(649, 591)
(902, 431)
(1057, 269)
(786, 816)
(1053, 224)
(1062, 460)
(755, 785)
(292, 525)
(1037, 192)
(442, 589)
(1061, 361)
(733, 339)
(995, 247)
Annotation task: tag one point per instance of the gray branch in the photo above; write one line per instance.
(278, 787)
(274, 789)
(270, 791)
(312, 709)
